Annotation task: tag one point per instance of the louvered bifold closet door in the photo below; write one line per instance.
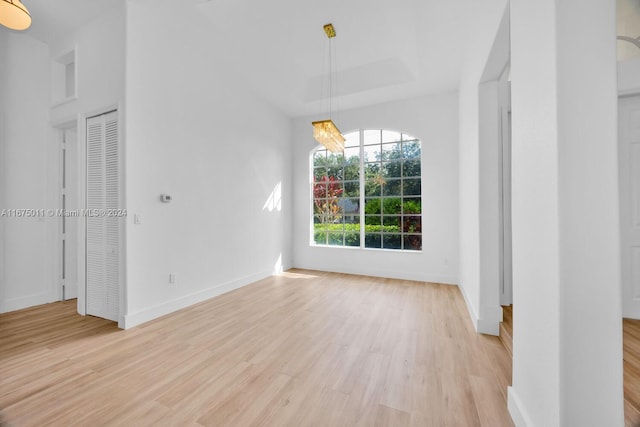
(103, 229)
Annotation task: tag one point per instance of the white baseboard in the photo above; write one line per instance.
(387, 274)
(516, 409)
(473, 314)
(14, 304)
(150, 313)
(489, 323)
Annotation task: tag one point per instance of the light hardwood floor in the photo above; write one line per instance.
(300, 349)
(631, 355)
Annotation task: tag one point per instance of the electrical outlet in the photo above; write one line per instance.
(172, 278)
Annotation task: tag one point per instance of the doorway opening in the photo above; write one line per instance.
(67, 218)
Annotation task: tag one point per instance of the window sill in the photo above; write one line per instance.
(401, 251)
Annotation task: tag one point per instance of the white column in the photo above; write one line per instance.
(567, 365)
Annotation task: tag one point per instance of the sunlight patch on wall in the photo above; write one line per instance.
(277, 268)
(274, 202)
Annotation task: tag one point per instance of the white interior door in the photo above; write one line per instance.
(102, 225)
(69, 224)
(629, 165)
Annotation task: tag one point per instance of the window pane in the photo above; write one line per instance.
(352, 170)
(411, 187)
(372, 188)
(412, 224)
(391, 151)
(372, 171)
(335, 172)
(319, 173)
(335, 159)
(349, 206)
(411, 150)
(411, 167)
(352, 139)
(392, 205)
(392, 188)
(351, 153)
(390, 135)
(352, 223)
(392, 169)
(335, 239)
(412, 205)
(372, 206)
(372, 153)
(413, 242)
(320, 237)
(352, 239)
(319, 190)
(372, 136)
(351, 189)
(391, 221)
(372, 240)
(319, 156)
(372, 223)
(392, 241)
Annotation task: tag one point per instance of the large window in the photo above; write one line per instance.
(370, 195)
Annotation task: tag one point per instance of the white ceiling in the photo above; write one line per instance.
(51, 19)
(384, 50)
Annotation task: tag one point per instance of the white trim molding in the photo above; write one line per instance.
(516, 409)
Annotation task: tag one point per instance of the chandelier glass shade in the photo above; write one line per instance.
(327, 134)
(14, 15)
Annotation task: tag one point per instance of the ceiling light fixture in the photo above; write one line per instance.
(325, 131)
(14, 15)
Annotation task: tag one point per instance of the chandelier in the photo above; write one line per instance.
(14, 15)
(325, 131)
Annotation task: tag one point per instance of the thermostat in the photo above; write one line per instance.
(165, 198)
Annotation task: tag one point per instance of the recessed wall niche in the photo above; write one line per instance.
(64, 77)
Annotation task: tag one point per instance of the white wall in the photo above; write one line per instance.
(483, 310)
(629, 76)
(433, 120)
(24, 106)
(3, 88)
(567, 360)
(195, 131)
(31, 164)
(100, 52)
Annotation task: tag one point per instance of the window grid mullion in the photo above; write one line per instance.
(362, 187)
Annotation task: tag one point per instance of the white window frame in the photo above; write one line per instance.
(404, 137)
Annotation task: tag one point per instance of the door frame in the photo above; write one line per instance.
(628, 308)
(506, 259)
(55, 204)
